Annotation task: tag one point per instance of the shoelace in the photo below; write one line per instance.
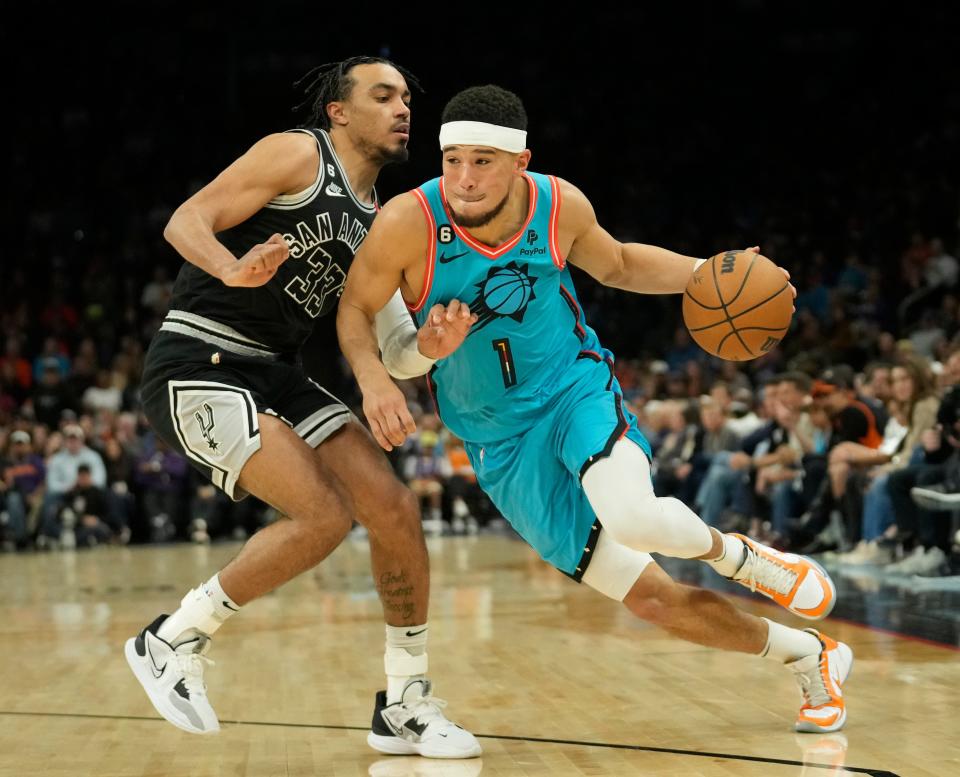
(191, 665)
(815, 692)
(763, 571)
(426, 709)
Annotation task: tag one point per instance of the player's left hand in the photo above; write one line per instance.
(386, 410)
(445, 329)
(793, 289)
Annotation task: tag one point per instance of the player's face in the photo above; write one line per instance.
(378, 112)
(477, 181)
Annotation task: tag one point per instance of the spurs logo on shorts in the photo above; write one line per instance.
(206, 427)
(197, 408)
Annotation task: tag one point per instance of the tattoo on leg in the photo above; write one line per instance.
(395, 594)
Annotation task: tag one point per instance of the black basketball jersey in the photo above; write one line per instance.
(323, 225)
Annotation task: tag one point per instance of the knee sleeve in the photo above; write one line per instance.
(621, 494)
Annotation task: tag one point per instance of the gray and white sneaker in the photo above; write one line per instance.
(935, 497)
(173, 677)
(416, 725)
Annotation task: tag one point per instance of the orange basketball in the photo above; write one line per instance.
(737, 305)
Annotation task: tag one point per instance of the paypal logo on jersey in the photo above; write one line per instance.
(532, 237)
(504, 293)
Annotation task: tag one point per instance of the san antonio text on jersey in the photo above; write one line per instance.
(323, 225)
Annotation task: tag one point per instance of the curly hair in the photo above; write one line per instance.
(490, 104)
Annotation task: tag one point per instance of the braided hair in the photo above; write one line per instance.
(332, 82)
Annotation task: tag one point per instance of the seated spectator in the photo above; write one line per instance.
(853, 421)
(673, 459)
(21, 488)
(915, 411)
(119, 465)
(462, 488)
(85, 515)
(784, 480)
(61, 477)
(713, 438)
(922, 533)
(161, 473)
(425, 470)
(103, 395)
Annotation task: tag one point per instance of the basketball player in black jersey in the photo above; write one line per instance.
(268, 244)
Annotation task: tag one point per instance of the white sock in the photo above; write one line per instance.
(785, 644)
(731, 558)
(204, 609)
(405, 658)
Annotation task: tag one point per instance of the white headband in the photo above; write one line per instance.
(479, 133)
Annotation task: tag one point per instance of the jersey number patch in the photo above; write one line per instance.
(502, 347)
(324, 278)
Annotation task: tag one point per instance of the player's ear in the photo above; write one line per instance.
(522, 161)
(336, 114)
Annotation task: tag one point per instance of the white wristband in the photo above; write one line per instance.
(696, 264)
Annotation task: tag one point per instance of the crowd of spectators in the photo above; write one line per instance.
(862, 211)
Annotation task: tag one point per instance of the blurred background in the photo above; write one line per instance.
(828, 136)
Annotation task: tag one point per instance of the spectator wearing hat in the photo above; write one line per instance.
(854, 420)
(21, 487)
(61, 477)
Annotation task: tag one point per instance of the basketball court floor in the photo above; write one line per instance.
(554, 679)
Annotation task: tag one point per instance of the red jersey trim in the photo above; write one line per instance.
(558, 259)
(431, 251)
(485, 250)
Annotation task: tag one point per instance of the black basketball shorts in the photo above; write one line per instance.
(203, 385)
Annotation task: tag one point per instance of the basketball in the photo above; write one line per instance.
(737, 305)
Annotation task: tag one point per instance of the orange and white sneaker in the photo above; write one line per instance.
(820, 678)
(797, 583)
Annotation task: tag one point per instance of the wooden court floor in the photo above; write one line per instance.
(554, 679)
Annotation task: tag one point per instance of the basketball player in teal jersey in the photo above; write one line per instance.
(532, 392)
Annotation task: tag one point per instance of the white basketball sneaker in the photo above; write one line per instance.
(797, 583)
(821, 677)
(416, 725)
(173, 677)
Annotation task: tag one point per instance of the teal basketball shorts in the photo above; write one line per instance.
(534, 478)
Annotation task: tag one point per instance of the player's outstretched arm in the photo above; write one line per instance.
(277, 164)
(637, 267)
(632, 266)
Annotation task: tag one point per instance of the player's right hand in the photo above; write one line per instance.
(258, 265)
(386, 410)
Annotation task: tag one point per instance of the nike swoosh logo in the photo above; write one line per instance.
(157, 670)
(415, 633)
(230, 607)
(398, 730)
(335, 191)
(444, 259)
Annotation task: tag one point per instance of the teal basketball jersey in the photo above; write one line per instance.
(531, 340)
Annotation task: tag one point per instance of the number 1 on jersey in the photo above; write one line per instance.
(502, 347)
